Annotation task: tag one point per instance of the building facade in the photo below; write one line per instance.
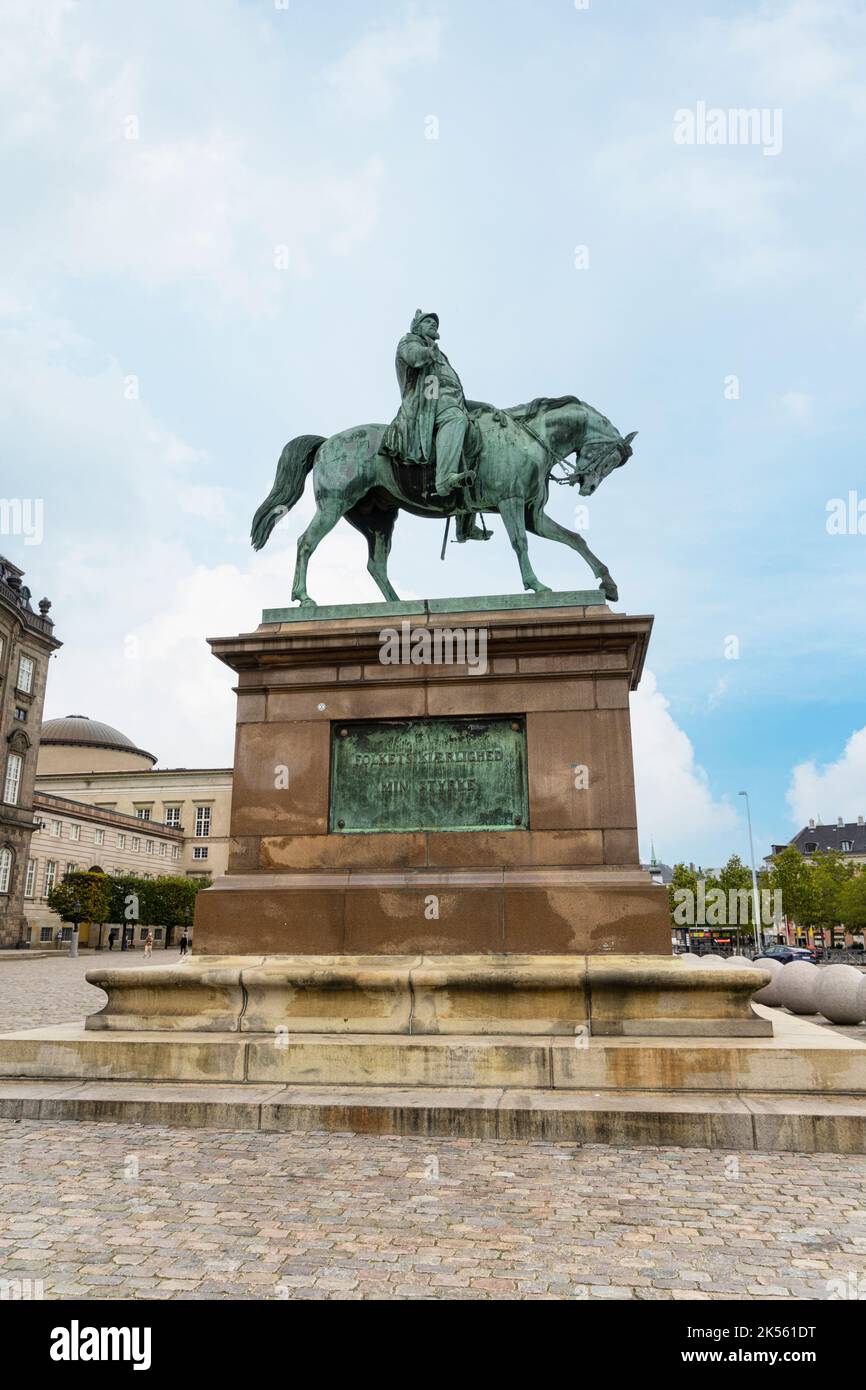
(847, 838)
(147, 813)
(27, 642)
(72, 837)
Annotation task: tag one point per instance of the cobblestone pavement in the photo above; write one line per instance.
(35, 993)
(123, 1211)
(251, 1215)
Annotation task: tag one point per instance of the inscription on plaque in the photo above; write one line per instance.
(429, 774)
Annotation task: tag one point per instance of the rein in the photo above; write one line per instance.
(550, 453)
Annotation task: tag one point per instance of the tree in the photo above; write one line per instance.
(829, 872)
(852, 902)
(682, 877)
(792, 876)
(164, 900)
(82, 897)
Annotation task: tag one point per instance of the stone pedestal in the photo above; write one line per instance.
(555, 870)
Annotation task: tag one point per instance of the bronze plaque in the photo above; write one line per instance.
(429, 774)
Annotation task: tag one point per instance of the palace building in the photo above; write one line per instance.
(103, 803)
(26, 643)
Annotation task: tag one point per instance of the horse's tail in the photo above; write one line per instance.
(296, 460)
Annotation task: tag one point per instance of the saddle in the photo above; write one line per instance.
(417, 481)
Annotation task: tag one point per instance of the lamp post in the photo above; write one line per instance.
(76, 911)
(756, 904)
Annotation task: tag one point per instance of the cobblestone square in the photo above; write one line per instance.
(125, 1211)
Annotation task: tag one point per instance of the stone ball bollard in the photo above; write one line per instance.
(770, 993)
(689, 958)
(798, 987)
(841, 994)
(711, 963)
(741, 962)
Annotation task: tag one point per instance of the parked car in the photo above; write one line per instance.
(785, 954)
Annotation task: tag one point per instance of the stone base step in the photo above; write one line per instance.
(800, 1058)
(767, 1122)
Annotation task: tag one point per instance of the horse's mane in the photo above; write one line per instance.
(528, 412)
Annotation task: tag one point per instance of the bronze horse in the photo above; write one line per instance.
(517, 452)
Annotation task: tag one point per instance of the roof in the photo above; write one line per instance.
(83, 810)
(825, 837)
(80, 730)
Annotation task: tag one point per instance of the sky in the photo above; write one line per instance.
(221, 215)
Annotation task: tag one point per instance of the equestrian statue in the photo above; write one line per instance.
(444, 456)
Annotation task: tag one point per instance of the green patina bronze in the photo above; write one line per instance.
(408, 608)
(429, 774)
(444, 456)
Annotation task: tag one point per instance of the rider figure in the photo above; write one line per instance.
(432, 404)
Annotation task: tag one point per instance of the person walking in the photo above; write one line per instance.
(184, 942)
(112, 937)
(148, 945)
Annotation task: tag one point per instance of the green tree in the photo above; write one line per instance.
(82, 897)
(792, 876)
(852, 902)
(829, 873)
(682, 877)
(164, 900)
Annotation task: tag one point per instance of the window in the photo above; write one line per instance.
(12, 786)
(162, 849)
(847, 846)
(25, 674)
(202, 822)
(71, 868)
(157, 933)
(5, 869)
(810, 847)
(50, 876)
(172, 816)
(143, 812)
(2, 645)
(75, 832)
(148, 846)
(175, 852)
(21, 713)
(56, 829)
(44, 933)
(30, 881)
(121, 841)
(199, 852)
(136, 843)
(99, 837)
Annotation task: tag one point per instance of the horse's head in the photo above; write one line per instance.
(602, 451)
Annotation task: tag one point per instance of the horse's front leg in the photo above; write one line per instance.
(512, 510)
(544, 525)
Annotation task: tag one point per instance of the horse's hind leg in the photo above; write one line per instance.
(327, 515)
(544, 525)
(512, 510)
(378, 527)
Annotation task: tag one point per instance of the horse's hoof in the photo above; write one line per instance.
(609, 589)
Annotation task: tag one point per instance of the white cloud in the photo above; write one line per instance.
(825, 791)
(159, 682)
(365, 79)
(676, 806)
(798, 405)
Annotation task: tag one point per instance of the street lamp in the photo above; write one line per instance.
(76, 915)
(755, 900)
